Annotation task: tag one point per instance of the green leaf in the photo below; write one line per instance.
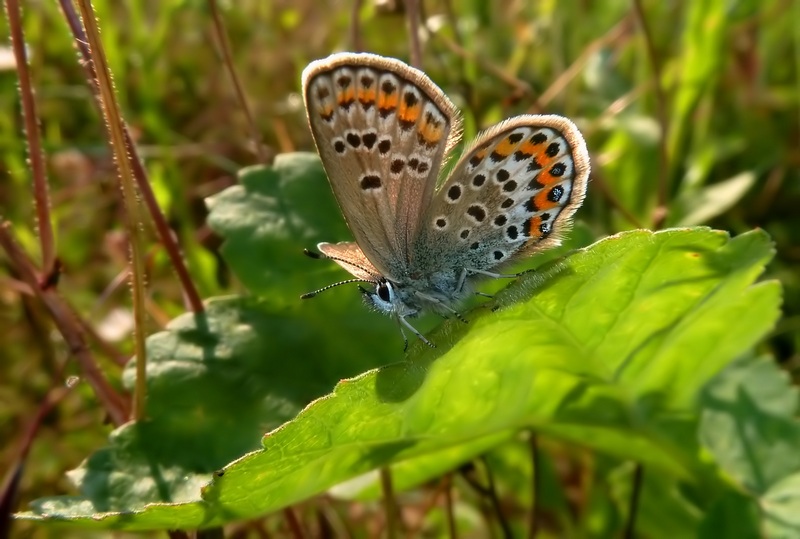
(663, 509)
(609, 348)
(699, 206)
(266, 222)
(731, 515)
(216, 383)
(749, 424)
(270, 217)
(781, 506)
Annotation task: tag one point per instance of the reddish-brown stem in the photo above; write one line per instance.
(119, 145)
(412, 13)
(355, 27)
(227, 57)
(68, 325)
(294, 523)
(145, 190)
(36, 154)
(389, 503)
(536, 486)
(10, 485)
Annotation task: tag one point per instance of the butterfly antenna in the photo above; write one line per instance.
(319, 256)
(324, 288)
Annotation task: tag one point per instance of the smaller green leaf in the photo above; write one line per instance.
(663, 509)
(269, 219)
(781, 507)
(699, 206)
(748, 423)
(731, 515)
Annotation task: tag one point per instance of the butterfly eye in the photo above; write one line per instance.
(383, 292)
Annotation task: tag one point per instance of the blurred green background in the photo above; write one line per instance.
(719, 130)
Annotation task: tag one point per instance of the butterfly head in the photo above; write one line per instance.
(386, 298)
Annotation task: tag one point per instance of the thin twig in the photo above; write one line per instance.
(294, 523)
(633, 504)
(109, 350)
(227, 57)
(412, 12)
(536, 486)
(163, 230)
(452, 530)
(211, 533)
(488, 492)
(495, 500)
(390, 506)
(68, 326)
(11, 481)
(558, 85)
(355, 27)
(599, 180)
(520, 86)
(35, 153)
(119, 146)
(662, 210)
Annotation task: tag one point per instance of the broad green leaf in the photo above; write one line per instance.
(663, 510)
(699, 206)
(266, 222)
(609, 348)
(781, 507)
(750, 426)
(270, 217)
(732, 515)
(216, 383)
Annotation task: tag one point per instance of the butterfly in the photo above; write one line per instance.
(383, 130)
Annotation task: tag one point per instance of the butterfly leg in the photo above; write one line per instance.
(404, 322)
(436, 301)
(494, 275)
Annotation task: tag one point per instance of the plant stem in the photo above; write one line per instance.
(633, 504)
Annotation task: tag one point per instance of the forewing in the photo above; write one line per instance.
(512, 192)
(381, 129)
(349, 256)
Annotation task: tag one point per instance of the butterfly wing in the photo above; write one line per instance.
(513, 191)
(349, 256)
(381, 129)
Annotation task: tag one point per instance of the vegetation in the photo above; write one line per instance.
(640, 382)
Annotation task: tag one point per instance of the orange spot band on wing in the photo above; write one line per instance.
(541, 201)
(529, 148)
(531, 228)
(387, 101)
(326, 113)
(346, 96)
(408, 114)
(504, 148)
(431, 131)
(367, 95)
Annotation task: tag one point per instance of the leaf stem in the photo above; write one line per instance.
(163, 230)
(227, 57)
(35, 152)
(536, 485)
(390, 505)
(633, 504)
(133, 220)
